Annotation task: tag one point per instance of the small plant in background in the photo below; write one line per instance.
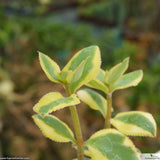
(84, 69)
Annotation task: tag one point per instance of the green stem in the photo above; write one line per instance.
(77, 128)
(109, 111)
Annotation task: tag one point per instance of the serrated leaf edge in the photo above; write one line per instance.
(53, 132)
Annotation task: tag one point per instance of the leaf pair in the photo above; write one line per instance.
(105, 144)
(81, 69)
(135, 123)
(111, 144)
(114, 79)
(51, 126)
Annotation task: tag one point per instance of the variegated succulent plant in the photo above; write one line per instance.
(84, 69)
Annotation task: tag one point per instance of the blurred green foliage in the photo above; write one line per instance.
(132, 13)
(112, 10)
(149, 90)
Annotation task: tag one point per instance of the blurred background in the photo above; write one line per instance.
(121, 28)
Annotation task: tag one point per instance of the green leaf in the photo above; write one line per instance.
(86, 151)
(115, 73)
(128, 80)
(54, 101)
(98, 82)
(109, 144)
(50, 67)
(135, 123)
(65, 76)
(54, 128)
(77, 73)
(87, 62)
(94, 100)
(100, 75)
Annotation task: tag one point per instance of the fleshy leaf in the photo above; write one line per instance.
(94, 100)
(54, 101)
(50, 67)
(88, 60)
(98, 82)
(128, 80)
(54, 128)
(109, 144)
(115, 73)
(135, 123)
